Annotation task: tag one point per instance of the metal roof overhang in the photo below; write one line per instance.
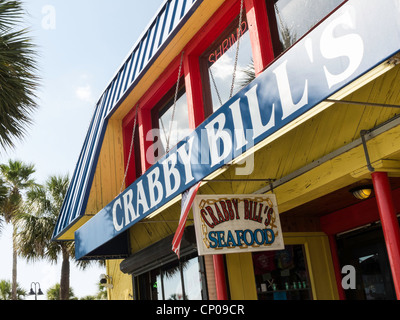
(344, 48)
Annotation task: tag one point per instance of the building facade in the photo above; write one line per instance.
(294, 98)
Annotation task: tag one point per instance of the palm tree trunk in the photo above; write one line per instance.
(65, 271)
(14, 269)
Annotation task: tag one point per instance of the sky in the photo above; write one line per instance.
(81, 44)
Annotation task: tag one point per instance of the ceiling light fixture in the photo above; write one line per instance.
(362, 192)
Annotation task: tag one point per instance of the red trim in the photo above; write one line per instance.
(351, 217)
(390, 226)
(213, 28)
(194, 90)
(161, 86)
(127, 126)
(355, 216)
(220, 280)
(144, 126)
(260, 34)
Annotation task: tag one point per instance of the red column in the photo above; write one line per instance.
(336, 266)
(390, 225)
(220, 280)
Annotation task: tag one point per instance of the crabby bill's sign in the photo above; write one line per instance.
(236, 223)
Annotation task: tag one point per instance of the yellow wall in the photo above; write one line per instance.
(241, 273)
(242, 283)
(122, 283)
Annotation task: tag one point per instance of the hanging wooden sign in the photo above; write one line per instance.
(237, 223)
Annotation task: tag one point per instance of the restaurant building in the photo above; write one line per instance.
(296, 100)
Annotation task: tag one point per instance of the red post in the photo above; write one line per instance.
(336, 266)
(220, 280)
(390, 225)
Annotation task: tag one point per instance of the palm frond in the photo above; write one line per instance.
(18, 79)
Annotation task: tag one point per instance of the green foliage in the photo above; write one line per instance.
(53, 293)
(39, 217)
(18, 79)
(5, 291)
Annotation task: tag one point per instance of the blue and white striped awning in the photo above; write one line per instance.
(167, 22)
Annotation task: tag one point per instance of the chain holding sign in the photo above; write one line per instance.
(237, 223)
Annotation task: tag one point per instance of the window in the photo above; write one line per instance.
(217, 65)
(170, 121)
(282, 275)
(178, 280)
(291, 19)
(365, 250)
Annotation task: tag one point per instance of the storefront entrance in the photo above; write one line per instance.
(365, 250)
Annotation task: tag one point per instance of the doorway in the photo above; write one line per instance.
(365, 250)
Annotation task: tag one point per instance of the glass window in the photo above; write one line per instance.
(156, 284)
(192, 279)
(218, 62)
(178, 280)
(294, 18)
(365, 250)
(282, 275)
(172, 282)
(171, 123)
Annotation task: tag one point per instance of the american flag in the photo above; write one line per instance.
(187, 201)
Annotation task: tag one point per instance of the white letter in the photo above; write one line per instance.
(350, 46)
(128, 207)
(141, 198)
(117, 226)
(152, 178)
(238, 124)
(168, 171)
(214, 136)
(349, 281)
(288, 106)
(186, 159)
(255, 115)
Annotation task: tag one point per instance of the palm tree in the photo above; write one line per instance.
(248, 74)
(17, 178)
(3, 196)
(36, 225)
(5, 291)
(18, 81)
(53, 293)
